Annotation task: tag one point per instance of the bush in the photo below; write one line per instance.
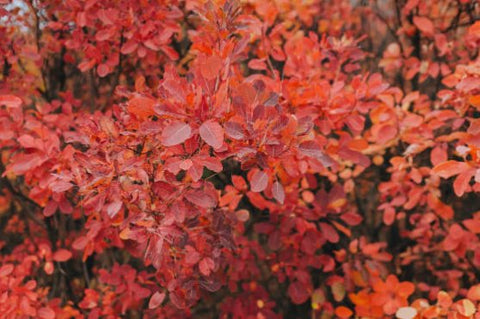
(240, 159)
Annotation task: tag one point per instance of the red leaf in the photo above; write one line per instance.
(351, 219)
(424, 24)
(211, 66)
(50, 208)
(200, 198)
(298, 292)
(329, 232)
(6, 270)
(259, 181)
(212, 133)
(129, 46)
(46, 313)
(26, 162)
(389, 215)
(103, 70)
(462, 182)
(10, 101)
(62, 255)
(235, 130)
(312, 149)
(257, 64)
(156, 300)
(450, 168)
(206, 266)
(278, 192)
(192, 256)
(141, 106)
(80, 243)
(104, 34)
(175, 133)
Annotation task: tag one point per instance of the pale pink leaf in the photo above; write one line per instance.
(259, 181)
(212, 133)
(175, 133)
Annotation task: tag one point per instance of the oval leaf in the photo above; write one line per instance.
(175, 133)
(62, 255)
(140, 106)
(156, 300)
(278, 192)
(406, 313)
(212, 133)
(259, 181)
(450, 168)
(424, 25)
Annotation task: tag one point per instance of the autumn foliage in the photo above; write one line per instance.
(239, 159)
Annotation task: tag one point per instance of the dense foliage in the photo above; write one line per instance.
(239, 159)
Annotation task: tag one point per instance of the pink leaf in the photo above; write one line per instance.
(206, 266)
(156, 300)
(278, 192)
(242, 215)
(113, 208)
(103, 70)
(10, 101)
(60, 186)
(175, 133)
(259, 181)
(212, 133)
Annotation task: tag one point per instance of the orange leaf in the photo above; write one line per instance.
(475, 100)
(62, 255)
(475, 29)
(405, 289)
(141, 106)
(211, 67)
(465, 307)
(474, 293)
(343, 312)
(450, 168)
(425, 25)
